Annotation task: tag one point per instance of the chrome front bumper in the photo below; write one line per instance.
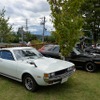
(59, 78)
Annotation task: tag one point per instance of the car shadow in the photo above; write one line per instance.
(58, 88)
(41, 89)
(71, 84)
(10, 80)
(83, 69)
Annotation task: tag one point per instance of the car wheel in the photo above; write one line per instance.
(29, 83)
(90, 67)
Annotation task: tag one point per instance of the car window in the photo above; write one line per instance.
(56, 49)
(18, 54)
(27, 53)
(4, 54)
(76, 51)
(49, 48)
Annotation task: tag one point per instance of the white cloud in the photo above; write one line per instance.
(32, 10)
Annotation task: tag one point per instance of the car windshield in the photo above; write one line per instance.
(76, 51)
(48, 47)
(27, 54)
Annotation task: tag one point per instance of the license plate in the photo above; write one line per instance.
(64, 80)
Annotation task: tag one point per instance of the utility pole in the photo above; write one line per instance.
(26, 25)
(21, 31)
(43, 23)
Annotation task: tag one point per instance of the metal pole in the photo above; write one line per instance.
(27, 25)
(43, 29)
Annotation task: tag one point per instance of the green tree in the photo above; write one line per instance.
(14, 38)
(5, 28)
(90, 10)
(51, 38)
(29, 36)
(67, 22)
(25, 35)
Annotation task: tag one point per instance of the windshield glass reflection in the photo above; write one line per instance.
(27, 54)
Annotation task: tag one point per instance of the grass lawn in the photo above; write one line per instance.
(81, 86)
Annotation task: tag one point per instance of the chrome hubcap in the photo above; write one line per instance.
(28, 83)
(90, 67)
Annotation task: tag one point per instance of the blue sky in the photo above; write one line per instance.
(32, 10)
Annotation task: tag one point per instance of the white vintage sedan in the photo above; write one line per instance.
(27, 65)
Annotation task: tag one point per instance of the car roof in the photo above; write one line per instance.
(16, 48)
(51, 47)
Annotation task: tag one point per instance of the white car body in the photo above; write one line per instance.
(45, 71)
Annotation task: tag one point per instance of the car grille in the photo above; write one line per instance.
(62, 73)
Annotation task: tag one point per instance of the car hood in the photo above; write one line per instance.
(92, 55)
(50, 64)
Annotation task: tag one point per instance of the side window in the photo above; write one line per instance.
(0, 54)
(6, 55)
(56, 49)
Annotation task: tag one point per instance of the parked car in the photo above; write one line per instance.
(27, 65)
(90, 62)
(51, 51)
(45, 47)
(92, 50)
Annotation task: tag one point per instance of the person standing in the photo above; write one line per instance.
(29, 43)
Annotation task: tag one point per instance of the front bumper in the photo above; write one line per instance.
(59, 78)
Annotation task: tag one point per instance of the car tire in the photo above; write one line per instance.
(29, 83)
(90, 67)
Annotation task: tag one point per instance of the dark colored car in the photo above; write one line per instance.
(90, 62)
(50, 51)
(87, 61)
(92, 50)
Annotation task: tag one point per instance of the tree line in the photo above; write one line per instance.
(7, 35)
(72, 19)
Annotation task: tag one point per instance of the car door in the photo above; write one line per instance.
(56, 52)
(78, 60)
(7, 63)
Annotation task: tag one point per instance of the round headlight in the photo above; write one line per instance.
(70, 68)
(52, 74)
